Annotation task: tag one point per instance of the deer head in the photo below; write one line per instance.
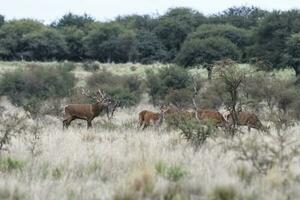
(102, 99)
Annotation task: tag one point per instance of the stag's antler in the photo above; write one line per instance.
(99, 97)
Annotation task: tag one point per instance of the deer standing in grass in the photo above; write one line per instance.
(206, 115)
(88, 111)
(211, 116)
(147, 117)
(247, 119)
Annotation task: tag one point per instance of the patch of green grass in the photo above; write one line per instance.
(8, 164)
(224, 193)
(6, 194)
(171, 172)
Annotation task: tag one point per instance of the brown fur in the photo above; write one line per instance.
(248, 119)
(212, 116)
(83, 111)
(147, 117)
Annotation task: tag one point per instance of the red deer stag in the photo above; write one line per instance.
(247, 119)
(87, 111)
(211, 116)
(147, 117)
(206, 115)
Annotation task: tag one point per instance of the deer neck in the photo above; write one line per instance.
(97, 108)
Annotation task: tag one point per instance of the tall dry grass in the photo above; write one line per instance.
(117, 161)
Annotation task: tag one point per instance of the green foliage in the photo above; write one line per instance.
(12, 34)
(110, 42)
(149, 48)
(8, 164)
(293, 52)
(191, 129)
(29, 87)
(91, 66)
(175, 25)
(45, 44)
(7, 194)
(224, 193)
(238, 36)
(272, 34)
(57, 172)
(74, 40)
(166, 80)
(181, 98)
(78, 21)
(126, 89)
(172, 172)
(197, 51)
(244, 17)
(138, 22)
(2, 20)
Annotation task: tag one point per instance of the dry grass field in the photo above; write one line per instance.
(115, 160)
(118, 161)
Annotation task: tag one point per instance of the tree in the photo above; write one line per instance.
(238, 36)
(12, 33)
(149, 48)
(166, 80)
(197, 51)
(272, 34)
(175, 25)
(74, 39)
(79, 21)
(137, 22)
(243, 17)
(2, 20)
(109, 42)
(293, 52)
(45, 44)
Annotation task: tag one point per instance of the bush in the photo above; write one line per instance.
(8, 164)
(126, 89)
(167, 79)
(11, 125)
(68, 66)
(191, 129)
(199, 51)
(91, 66)
(181, 98)
(224, 193)
(172, 172)
(30, 87)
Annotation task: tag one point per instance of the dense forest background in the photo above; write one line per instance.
(182, 36)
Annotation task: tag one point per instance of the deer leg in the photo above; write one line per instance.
(89, 124)
(249, 128)
(140, 124)
(67, 122)
(146, 124)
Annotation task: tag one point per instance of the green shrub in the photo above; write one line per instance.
(91, 66)
(8, 164)
(181, 98)
(6, 194)
(30, 87)
(173, 172)
(172, 78)
(191, 129)
(224, 193)
(125, 89)
(68, 66)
